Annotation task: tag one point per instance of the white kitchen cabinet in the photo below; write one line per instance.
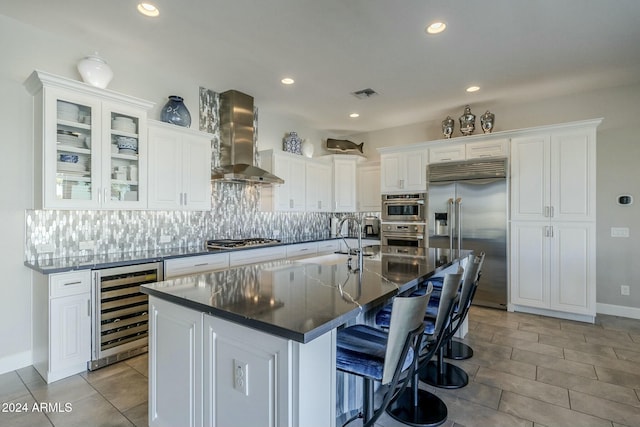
(368, 194)
(344, 183)
(301, 250)
(290, 196)
(62, 324)
(553, 175)
(553, 268)
(175, 365)
(328, 246)
(483, 149)
(447, 153)
(552, 255)
(90, 145)
(175, 267)
(402, 171)
(179, 168)
(318, 186)
(251, 256)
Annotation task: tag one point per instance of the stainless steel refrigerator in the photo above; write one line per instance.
(467, 209)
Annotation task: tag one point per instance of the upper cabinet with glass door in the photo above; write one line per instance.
(90, 145)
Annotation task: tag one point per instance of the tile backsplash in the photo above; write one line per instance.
(235, 214)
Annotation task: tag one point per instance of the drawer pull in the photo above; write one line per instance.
(200, 265)
(72, 283)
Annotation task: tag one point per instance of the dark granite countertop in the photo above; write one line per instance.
(301, 299)
(47, 265)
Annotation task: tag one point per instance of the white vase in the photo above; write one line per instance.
(95, 71)
(307, 148)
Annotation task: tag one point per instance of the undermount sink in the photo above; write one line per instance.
(328, 259)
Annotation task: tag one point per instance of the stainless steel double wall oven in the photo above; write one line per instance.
(404, 220)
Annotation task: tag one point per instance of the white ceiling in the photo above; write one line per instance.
(516, 50)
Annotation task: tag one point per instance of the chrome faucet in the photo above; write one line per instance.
(359, 251)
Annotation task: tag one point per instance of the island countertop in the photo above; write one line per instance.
(302, 299)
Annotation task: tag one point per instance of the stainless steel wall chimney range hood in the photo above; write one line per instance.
(237, 142)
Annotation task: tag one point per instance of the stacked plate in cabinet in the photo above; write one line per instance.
(73, 139)
(68, 111)
(123, 124)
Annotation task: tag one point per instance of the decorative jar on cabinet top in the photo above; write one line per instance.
(175, 112)
(95, 71)
(467, 121)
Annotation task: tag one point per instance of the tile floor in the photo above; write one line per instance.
(526, 371)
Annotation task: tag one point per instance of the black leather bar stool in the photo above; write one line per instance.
(376, 355)
(414, 406)
(439, 373)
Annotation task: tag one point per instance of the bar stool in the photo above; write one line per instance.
(456, 350)
(439, 373)
(376, 355)
(414, 406)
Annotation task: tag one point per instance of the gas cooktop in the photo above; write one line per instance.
(240, 243)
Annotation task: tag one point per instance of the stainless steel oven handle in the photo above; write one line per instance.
(403, 236)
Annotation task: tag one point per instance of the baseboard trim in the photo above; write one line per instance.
(15, 361)
(618, 310)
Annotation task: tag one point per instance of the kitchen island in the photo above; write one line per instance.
(255, 345)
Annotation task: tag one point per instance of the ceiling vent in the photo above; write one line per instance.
(364, 93)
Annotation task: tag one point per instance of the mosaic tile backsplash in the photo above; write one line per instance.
(235, 214)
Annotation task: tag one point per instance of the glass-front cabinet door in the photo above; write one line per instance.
(71, 162)
(124, 145)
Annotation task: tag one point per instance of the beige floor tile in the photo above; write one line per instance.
(596, 388)
(30, 376)
(526, 387)
(20, 412)
(618, 412)
(125, 390)
(553, 332)
(94, 411)
(619, 323)
(582, 346)
(475, 392)
(551, 362)
(473, 415)
(491, 324)
(65, 390)
(624, 354)
(488, 349)
(140, 364)
(105, 372)
(138, 415)
(611, 362)
(540, 322)
(546, 413)
(11, 387)
(617, 342)
(514, 367)
(533, 346)
(516, 334)
(614, 376)
(635, 338)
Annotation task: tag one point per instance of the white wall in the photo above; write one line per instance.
(617, 172)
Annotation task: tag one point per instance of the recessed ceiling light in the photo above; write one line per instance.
(287, 81)
(436, 28)
(473, 88)
(354, 115)
(148, 9)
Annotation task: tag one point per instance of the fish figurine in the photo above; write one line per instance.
(343, 145)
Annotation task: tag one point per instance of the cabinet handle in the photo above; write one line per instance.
(319, 204)
(291, 203)
(546, 211)
(185, 199)
(445, 158)
(200, 265)
(89, 307)
(551, 231)
(72, 283)
(181, 197)
(402, 183)
(552, 212)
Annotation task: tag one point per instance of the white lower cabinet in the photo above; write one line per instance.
(195, 264)
(553, 269)
(175, 365)
(62, 324)
(206, 371)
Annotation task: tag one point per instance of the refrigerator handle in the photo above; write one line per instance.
(459, 222)
(450, 220)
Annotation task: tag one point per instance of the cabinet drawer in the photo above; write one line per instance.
(329, 246)
(446, 154)
(195, 264)
(493, 148)
(302, 249)
(72, 283)
(251, 256)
